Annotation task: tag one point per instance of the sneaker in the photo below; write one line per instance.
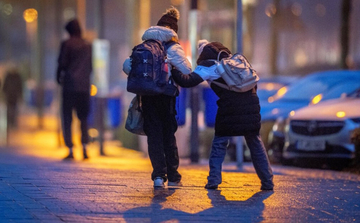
(266, 188)
(159, 182)
(211, 186)
(69, 157)
(175, 184)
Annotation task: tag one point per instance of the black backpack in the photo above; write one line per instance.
(149, 73)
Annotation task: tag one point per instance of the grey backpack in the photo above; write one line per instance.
(237, 73)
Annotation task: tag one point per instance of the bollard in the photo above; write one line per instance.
(114, 106)
(180, 107)
(210, 99)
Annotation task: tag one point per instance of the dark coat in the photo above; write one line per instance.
(13, 87)
(74, 62)
(238, 113)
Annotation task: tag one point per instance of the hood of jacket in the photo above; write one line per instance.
(160, 33)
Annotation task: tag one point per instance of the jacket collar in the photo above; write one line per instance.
(160, 33)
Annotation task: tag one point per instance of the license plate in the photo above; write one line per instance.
(313, 145)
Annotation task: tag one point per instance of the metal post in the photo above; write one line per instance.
(58, 30)
(100, 100)
(101, 127)
(194, 93)
(39, 66)
(239, 19)
(239, 48)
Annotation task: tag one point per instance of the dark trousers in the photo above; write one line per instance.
(80, 102)
(160, 126)
(12, 113)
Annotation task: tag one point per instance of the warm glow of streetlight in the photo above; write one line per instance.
(93, 133)
(281, 91)
(177, 2)
(30, 15)
(93, 90)
(270, 10)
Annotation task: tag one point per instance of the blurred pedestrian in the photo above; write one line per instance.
(159, 111)
(238, 114)
(73, 74)
(13, 90)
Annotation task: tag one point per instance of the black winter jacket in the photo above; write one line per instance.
(75, 65)
(238, 113)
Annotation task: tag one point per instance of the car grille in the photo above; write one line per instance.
(316, 128)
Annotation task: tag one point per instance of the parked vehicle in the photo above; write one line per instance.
(323, 131)
(315, 87)
(267, 87)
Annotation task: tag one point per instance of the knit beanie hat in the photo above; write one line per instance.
(73, 28)
(170, 19)
(211, 50)
(201, 44)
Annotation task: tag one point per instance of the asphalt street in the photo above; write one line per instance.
(36, 185)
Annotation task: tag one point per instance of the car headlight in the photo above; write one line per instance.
(279, 125)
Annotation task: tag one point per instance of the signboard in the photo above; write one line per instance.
(100, 57)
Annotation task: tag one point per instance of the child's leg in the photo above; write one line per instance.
(260, 161)
(217, 156)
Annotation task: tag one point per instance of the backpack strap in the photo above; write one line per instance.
(225, 86)
(222, 51)
(168, 44)
(139, 103)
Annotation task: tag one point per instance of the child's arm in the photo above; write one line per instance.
(186, 80)
(176, 57)
(127, 66)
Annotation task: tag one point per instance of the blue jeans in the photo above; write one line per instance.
(258, 155)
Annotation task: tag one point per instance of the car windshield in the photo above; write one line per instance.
(310, 86)
(355, 94)
(267, 89)
(337, 91)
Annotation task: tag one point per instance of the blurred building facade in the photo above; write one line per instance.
(308, 32)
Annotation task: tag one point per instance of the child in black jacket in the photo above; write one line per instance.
(238, 115)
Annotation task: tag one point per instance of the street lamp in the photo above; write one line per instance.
(30, 15)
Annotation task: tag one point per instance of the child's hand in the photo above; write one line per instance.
(207, 73)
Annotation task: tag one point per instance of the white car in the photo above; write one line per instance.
(323, 130)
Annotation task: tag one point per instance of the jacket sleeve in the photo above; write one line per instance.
(186, 80)
(62, 63)
(127, 66)
(177, 58)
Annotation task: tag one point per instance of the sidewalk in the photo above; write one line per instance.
(37, 186)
